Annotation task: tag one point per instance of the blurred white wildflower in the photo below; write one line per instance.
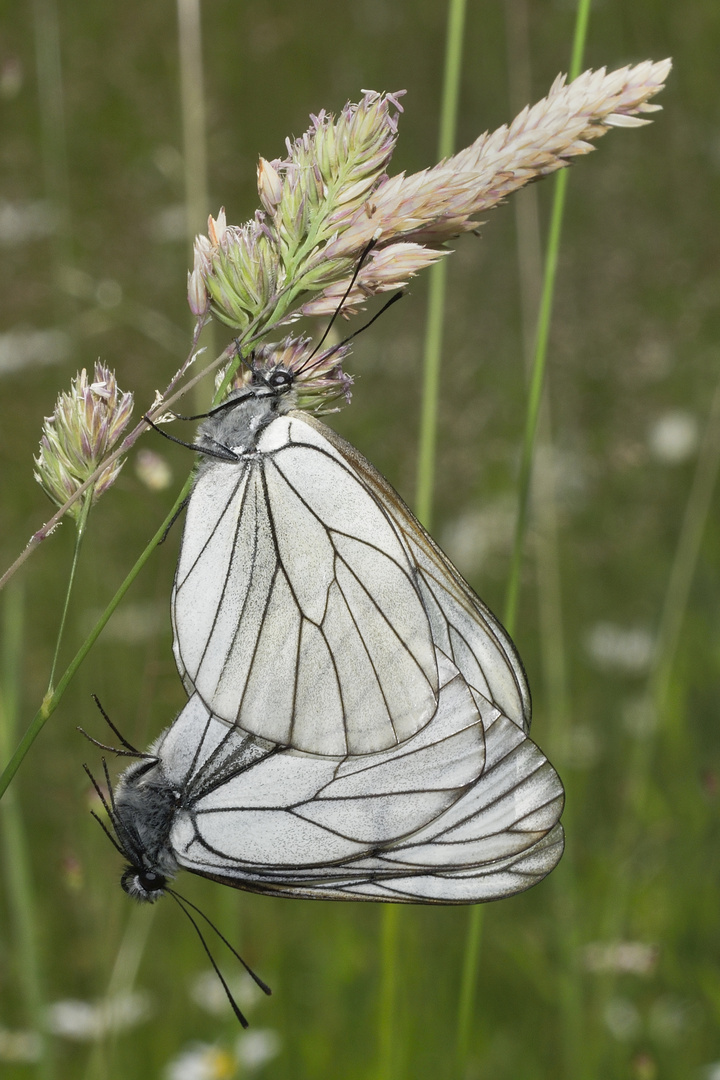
(673, 438)
(202, 1061)
(32, 348)
(170, 224)
(131, 623)
(22, 222)
(208, 1061)
(85, 1021)
(12, 76)
(20, 1047)
(621, 957)
(627, 649)
(108, 293)
(207, 991)
(152, 470)
(86, 424)
(622, 1019)
(581, 747)
(256, 1047)
(710, 1072)
(478, 533)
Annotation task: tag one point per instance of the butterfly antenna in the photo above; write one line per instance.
(109, 835)
(109, 810)
(167, 435)
(99, 792)
(336, 348)
(235, 1008)
(129, 751)
(363, 256)
(249, 364)
(256, 978)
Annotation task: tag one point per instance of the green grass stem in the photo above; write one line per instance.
(51, 701)
(195, 158)
(695, 518)
(466, 1006)
(388, 1025)
(541, 344)
(79, 534)
(53, 138)
(468, 984)
(16, 862)
(432, 357)
(432, 354)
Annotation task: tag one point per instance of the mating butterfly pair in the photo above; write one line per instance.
(357, 723)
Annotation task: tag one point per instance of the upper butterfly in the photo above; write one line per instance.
(308, 600)
(357, 724)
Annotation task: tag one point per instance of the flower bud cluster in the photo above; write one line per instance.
(84, 427)
(332, 216)
(236, 272)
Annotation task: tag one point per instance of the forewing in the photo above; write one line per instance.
(461, 624)
(295, 607)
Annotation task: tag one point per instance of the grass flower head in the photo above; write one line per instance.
(85, 425)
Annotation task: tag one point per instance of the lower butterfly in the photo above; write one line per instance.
(357, 723)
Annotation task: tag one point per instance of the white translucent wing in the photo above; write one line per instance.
(295, 608)
(464, 810)
(461, 624)
(308, 597)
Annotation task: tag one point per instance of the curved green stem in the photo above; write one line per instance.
(79, 534)
(52, 700)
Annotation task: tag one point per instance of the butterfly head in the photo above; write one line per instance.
(147, 886)
(294, 373)
(140, 811)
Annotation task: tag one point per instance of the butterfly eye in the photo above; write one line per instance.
(143, 884)
(279, 378)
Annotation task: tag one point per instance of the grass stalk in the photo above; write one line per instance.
(16, 862)
(53, 141)
(546, 551)
(432, 354)
(468, 984)
(51, 701)
(387, 1029)
(79, 534)
(541, 344)
(535, 397)
(685, 560)
(194, 136)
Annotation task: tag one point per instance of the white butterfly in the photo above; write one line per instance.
(357, 723)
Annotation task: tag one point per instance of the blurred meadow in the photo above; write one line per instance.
(116, 144)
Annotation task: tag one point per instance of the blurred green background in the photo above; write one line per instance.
(610, 967)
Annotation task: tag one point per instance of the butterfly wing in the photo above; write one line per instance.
(308, 600)
(464, 810)
(295, 610)
(461, 624)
